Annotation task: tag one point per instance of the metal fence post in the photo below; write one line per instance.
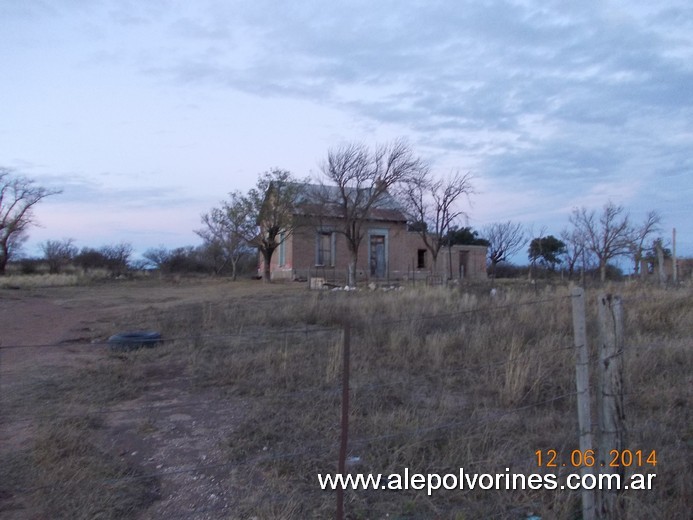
(344, 438)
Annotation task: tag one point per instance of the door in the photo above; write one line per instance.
(464, 264)
(378, 261)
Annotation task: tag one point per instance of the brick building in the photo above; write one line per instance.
(649, 269)
(388, 251)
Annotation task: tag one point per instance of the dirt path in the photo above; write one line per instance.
(167, 432)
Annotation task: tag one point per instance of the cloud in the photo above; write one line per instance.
(566, 102)
(115, 190)
(474, 66)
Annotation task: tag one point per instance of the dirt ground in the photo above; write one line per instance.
(181, 430)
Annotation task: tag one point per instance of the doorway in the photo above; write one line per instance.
(378, 258)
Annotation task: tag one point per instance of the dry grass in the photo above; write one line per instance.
(69, 476)
(30, 281)
(441, 379)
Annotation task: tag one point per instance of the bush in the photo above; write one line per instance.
(29, 265)
(508, 270)
(115, 258)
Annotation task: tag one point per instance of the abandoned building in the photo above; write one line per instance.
(649, 269)
(389, 251)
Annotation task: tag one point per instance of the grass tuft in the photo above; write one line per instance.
(440, 380)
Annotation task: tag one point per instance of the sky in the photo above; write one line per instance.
(146, 114)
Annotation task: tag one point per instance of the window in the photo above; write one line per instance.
(325, 249)
(421, 259)
(282, 249)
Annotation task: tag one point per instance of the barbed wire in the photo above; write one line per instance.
(294, 330)
(321, 446)
(334, 390)
(189, 337)
(488, 308)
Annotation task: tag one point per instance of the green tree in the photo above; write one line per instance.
(465, 236)
(547, 251)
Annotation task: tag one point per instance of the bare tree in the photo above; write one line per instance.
(640, 236)
(434, 206)
(157, 257)
(18, 196)
(229, 230)
(608, 235)
(117, 257)
(363, 178)
(574, 249)
(58, 253)
(505, 239)
(272, 205)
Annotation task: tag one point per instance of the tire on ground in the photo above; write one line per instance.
(126, 341)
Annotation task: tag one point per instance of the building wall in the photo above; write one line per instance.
(304, 248)
(463, 262)
(684, 268)
(402, 257)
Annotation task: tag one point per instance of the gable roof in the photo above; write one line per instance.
(324, 200)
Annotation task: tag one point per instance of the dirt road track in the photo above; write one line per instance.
(69, 319)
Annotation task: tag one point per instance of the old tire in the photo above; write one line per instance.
(126, 341)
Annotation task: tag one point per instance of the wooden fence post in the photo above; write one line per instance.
(610, 409)
(582, 381)
(344, 438)
(674, 266)
(660, 262)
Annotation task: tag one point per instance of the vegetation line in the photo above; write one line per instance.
(272, 332)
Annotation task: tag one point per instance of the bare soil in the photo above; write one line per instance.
(166, 431)
(235, 418)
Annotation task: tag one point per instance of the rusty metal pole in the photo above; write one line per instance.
(674, 267)
(344, 440)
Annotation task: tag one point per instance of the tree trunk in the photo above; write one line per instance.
(267, 259)
(233, 269)
(434, 262)
(3, 261)
(660, 264)
(636, 267)
(351, 272)
(602, 271)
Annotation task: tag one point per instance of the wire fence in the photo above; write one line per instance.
(386, 416)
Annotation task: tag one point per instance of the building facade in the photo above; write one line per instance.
(389, 251)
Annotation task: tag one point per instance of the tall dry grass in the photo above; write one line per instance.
(441, 380)
(31, 281)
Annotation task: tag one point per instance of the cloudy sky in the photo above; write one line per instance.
(147, 113)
